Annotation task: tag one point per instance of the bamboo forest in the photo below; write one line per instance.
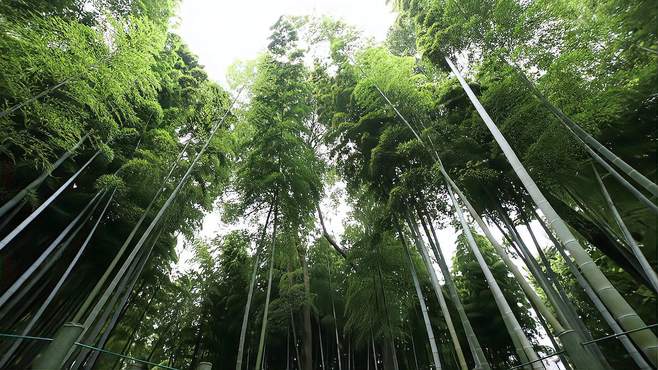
(474, 190)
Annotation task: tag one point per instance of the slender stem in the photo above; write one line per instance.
(17, 230)
(587, 140)
(473, 343)
(245, 317)
(598, 304)
(27, 273)
(646, 266)
(618, 306)
(423, 305)
(437, 289)
(263, 329)
(20, 196)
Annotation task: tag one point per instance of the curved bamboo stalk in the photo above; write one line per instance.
(5, 241)
(622, 311)
(328, 236)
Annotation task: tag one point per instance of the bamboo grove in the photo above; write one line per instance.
(493, 164)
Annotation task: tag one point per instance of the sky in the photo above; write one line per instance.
(223, 32)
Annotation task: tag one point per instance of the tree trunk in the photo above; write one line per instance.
(621, 310)
(328, 236)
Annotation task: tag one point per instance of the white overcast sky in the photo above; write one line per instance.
(221, 32)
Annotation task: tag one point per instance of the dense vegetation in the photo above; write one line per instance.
(114, 145)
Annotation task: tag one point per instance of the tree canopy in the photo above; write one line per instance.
(493, 164)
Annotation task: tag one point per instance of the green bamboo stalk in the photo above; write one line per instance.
(646, 266)
(524, 348)
(333, 312)
(562, 328)
(99, 284)
(438, 291)
(263, 329)
(17, 230)
(423, 307)
(477, 353)
(54, 290)
(250, 294)
(16, 199)
(585, 138)
(598, 304)
(35, 265)
(145, 235)
(621, 310)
